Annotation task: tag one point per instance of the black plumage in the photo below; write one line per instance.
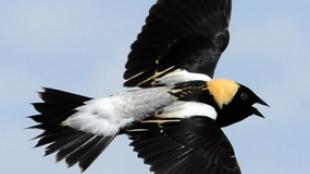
(183, 37)
(70, 144)
(185, 34)
(196, 145)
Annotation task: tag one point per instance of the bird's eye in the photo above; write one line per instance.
(244, 96)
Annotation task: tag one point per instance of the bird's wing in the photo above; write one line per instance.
(179, 34)
(193, 145)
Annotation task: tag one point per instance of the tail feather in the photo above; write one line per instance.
(93, 153)
(73, 146)
(50, 95)
(63, 142)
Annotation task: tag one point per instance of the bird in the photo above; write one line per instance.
(173, 111)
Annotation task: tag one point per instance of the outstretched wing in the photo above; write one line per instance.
(193, 145)
(179, 34)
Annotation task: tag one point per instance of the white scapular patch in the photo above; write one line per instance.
(180, 75)
(106, 116)
(182, 109)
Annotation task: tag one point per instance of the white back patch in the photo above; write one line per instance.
(106, 116)
(99, 117)
(183, 109)
(180, 75)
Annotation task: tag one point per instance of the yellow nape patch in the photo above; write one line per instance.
(223, 91)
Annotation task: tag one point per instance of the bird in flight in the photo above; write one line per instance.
(175, 113)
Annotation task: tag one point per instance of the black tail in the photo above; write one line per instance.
(70, 144)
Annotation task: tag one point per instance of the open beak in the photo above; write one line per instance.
(257, 113)
(262, 102)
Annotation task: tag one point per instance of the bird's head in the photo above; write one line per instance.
(234, 101)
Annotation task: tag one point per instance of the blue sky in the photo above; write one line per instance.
(81, 46)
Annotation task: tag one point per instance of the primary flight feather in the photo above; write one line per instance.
(175, 114)
(188, 35)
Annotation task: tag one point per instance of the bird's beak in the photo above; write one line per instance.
(257, 113)
(262, 102)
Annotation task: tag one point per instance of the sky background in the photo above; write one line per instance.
(81, 46)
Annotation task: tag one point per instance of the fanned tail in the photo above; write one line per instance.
(73, 146)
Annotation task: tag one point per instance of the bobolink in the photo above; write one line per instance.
(175, 114)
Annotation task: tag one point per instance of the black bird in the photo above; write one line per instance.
(175, 114)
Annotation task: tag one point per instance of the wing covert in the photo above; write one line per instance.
(194, 145)
(179, 34)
